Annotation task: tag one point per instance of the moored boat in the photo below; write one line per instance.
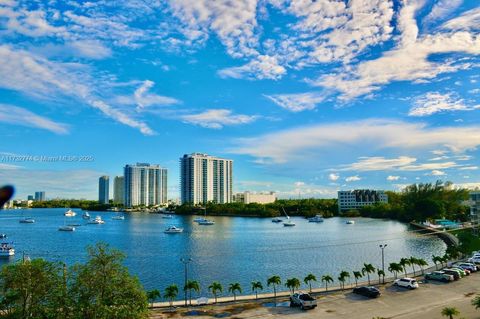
(277, 220)
(118, 217)
(206, 222)
(173, 230)
(27, 220)
(66, 228)
(86, 215)
(350, 222)
(6, 250)
(70, 213)
(316, 219)
(98, 220)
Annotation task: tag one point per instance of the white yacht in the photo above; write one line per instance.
(199, 219)
(6, 250)
(350, 222)
(66, 228)
(206, 222)
(167, 216)
(98, 220)
(27, 220)
(277, 220)
(70, 213)
(316, 219)
(118, 217)
(173, 230)
(86, 215)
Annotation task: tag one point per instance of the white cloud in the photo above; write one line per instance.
(301, 142)
(142, 98)
(354, 178)
(437, 172)
(333, 177)
(218, 118)
(393, 178)
(297, 102)
(93, 49)
(468, 168)
(261, 68)
(435, 102)
(378, 163)
(440, 10)
(19, 116)
(299, 184)
(470, 20)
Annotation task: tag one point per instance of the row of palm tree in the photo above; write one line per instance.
(293, 284)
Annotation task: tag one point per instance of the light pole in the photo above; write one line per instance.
(382, 247)
(185, 262)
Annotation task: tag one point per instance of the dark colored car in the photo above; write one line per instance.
(456, 275)
(367, 291)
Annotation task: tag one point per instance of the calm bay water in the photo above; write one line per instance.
(235, 249)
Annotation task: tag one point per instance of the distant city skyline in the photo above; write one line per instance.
(307, 98)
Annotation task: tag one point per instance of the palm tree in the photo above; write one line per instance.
(380, 274)
(255, 286)
(445, 259)
(292, 284)
(191, 285)
(368, 269)
(215, 287)
(395, 268)
(422, 263)
(404, 262)
(357, 275)
(437, 259)
(343, 277)
(152, 295)
(308, 280)
(171, 293)
(413, 261)
(233, 288)
(476, 302)
(326, 279)
(274, 281)
(450, 312)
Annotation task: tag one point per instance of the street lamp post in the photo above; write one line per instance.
(382, 247)
(185, 262)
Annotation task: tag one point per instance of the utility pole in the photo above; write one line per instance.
(185, 262)
(382, 247)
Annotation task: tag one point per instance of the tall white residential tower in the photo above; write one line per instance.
(145, 184)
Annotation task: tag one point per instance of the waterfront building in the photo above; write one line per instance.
(145, 184)
(259, 198)
(205, 178)
(356, 199)
(39, 196)
(118, 190)
(103, 189)
(30, 197)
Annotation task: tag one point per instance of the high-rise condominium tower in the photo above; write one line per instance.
(118, 189)
(103, 189)
(205, 178)
(145, 184)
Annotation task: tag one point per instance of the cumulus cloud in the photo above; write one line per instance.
(218, 118)
(393, 178)
(261, 68)
(333, 177)
(437, 172)
(435, 102)
(354, 178)
(469, 20)
(440, 10)
(19, 116)
(297, 102)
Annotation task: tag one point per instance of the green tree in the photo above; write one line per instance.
(215, 287)
(103, 287)
(171, 292)
(292, 284)
(395, 268)
(256, 285)
(233, 288)
(413, 261)
(368, 269)
(274, 281)
(436, 260)
(308, 280)
(357, 275)
(32, 289)
(380, 274)
(450, 312)
(191, 285)
(422, 263)
(404, 262)
(153, 295)
(326, 279)
(476, 302)
(343, 277)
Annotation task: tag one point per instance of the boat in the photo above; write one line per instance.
(350, 222)
(288, 223)
(173, 230)
(316, 219)
(98, 220)
(3, 235)
(277, 220)
(167, 216)
(6, 250)
(86, 215)
(206, 222)
(199, 219)
(66, 228)
(70, 213)
(27, 220)
(119, 217)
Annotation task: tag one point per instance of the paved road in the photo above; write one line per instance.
(425, 302)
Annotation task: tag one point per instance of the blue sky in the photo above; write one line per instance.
(307, 97)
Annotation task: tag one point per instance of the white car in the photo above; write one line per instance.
(468, 266)
(302, 300)
(409, 283)
(475, 260)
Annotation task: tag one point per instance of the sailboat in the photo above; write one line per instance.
(86, 215)
(288, 223)
(66, 227)
(26, 220)
(205, 221)
(70, 213)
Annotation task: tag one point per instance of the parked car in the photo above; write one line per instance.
(475, 260)
(439, 276)
(367, 291)
(302, 300)
(406, 282)
(456, 274)
(465, 272)
(469, 266)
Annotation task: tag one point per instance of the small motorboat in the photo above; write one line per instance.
(277, 220)
(118, 217)
(289, 223)
(173, 230)
(66, 228)
(167, 216)
(316, 219)
(86, 215)
(70, 213)
(3, 235)
(199, 219)
(206, 222)
(350, 222)
(27, 220)
(6, 250)
(97, 221)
